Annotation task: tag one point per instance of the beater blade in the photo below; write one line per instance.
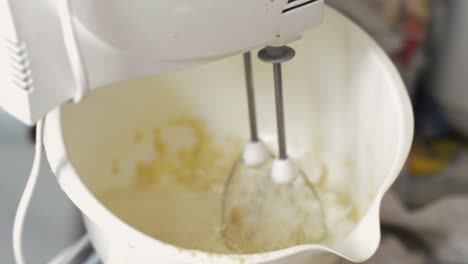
(272, 205)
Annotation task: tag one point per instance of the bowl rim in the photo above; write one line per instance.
(76, 190)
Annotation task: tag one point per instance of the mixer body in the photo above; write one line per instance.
(119, 40)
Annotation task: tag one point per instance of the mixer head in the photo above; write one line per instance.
(55, 51)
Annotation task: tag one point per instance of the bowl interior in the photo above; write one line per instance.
(343, 116)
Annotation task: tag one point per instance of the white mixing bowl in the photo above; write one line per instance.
(345, 103)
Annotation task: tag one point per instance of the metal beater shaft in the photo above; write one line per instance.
(250, 97)
(280, 111)
(277, 55)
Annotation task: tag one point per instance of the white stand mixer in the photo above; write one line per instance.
(88, 45)
(55, 51)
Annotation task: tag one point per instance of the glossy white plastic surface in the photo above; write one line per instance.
(254, 153)
(283, 171)
(345, 104)
(119, 40)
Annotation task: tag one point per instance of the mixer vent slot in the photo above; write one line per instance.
(20, 65)
(296, 4)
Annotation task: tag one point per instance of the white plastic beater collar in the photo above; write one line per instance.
(283, 171)
(254, 154)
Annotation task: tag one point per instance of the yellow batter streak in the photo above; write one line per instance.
(176, 198)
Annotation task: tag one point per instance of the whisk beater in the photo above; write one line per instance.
(271, 204)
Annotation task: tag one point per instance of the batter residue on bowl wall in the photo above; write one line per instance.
(176, 197)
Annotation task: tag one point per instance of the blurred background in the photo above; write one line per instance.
(428, 41)
(424, 217)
